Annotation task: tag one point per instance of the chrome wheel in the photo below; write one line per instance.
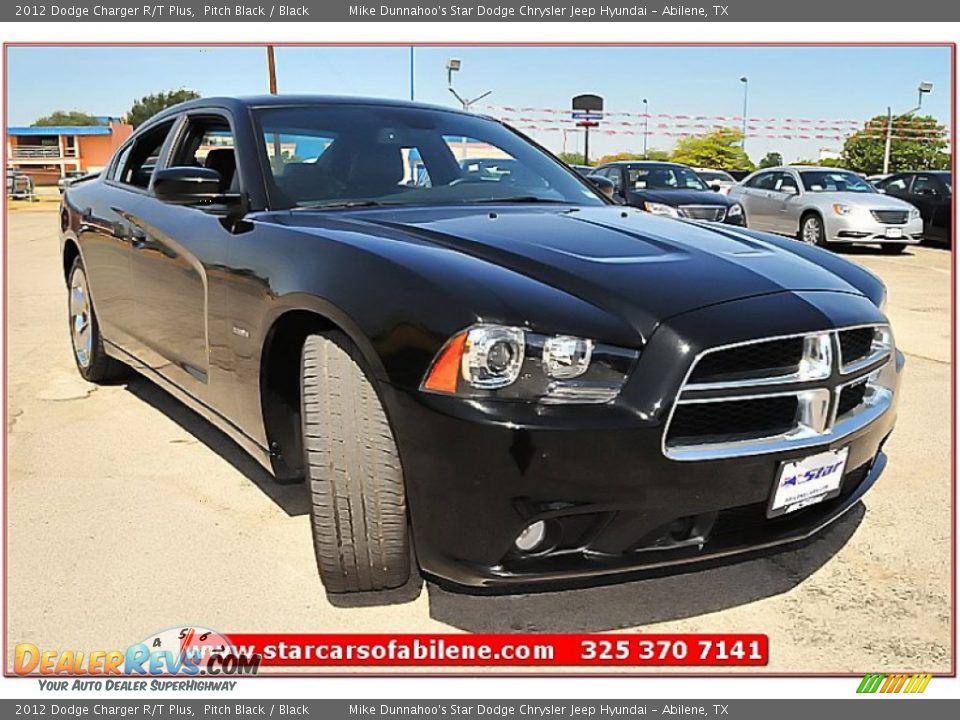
(811, 230)
(81, 330)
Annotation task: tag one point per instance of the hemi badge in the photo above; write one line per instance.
(242, 332)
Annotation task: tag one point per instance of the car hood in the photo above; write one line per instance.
(876, 201)
(679, 197)
(642, 267)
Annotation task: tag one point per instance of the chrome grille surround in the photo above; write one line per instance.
(817, 382)
(713, 213)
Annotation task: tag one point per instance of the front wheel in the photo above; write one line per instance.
(358, 503)
(811, 231)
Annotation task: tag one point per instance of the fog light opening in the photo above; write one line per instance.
(681, 528)
(532, 538)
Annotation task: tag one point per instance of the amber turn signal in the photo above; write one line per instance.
(446, 368)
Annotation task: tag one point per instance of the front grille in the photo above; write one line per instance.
(851, 397)
(781, 393)
(855, 344)
(714, 213)
(734, 420)
(890, 217)
(762, 359)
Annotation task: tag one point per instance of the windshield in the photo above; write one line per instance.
(664, 177)
(834, 181)
(339, 156)
(715, 176)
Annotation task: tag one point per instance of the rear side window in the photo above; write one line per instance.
(137, 164)
(208, 142)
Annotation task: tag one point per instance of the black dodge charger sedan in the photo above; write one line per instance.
(526, 383)
(670, 189)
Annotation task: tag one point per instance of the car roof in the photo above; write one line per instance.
(645, 163)
(241, 102)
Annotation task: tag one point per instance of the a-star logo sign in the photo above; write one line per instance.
(191, 650)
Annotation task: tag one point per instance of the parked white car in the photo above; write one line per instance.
(822, 206)
(718, 180)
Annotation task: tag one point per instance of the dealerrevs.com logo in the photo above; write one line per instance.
(895, 683)
(184, 651)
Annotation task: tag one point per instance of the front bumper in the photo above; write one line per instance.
(478, 473)
(861, 227)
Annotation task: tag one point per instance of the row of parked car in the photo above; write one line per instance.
(817, 205)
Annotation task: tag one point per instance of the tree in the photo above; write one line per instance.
(571, 158)
(66, 117)
(919, 143)
(149, 105)
(652, 154)
(771, 159)
(718, 150)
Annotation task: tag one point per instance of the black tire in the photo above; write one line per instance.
(892, 248)
(358, 503)
(91, 359)
(811, 230)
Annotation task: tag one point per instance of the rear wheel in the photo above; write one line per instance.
(892, 248)
(811, 230)
(358, 503)
(92, 361)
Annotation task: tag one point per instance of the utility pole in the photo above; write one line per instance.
(646, 118)
(411, 73)
(746, 84)
(925, 87)
(272, 70)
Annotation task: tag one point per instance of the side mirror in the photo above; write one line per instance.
(603, 185)
(189, 186)
(790, 190)
(715, 188)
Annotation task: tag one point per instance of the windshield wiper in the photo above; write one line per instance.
(343, 204)
(519, 199)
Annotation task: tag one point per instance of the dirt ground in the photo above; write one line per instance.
(128, 514)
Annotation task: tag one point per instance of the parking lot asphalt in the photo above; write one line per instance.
(128, 514)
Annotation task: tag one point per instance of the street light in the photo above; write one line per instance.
(646, 117)
(746, 84)
(925, 87)
(453, 65)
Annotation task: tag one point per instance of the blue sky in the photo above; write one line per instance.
(819, 83)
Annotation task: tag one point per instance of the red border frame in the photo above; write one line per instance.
(454, 673)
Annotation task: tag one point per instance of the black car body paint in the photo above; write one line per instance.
(193, 296)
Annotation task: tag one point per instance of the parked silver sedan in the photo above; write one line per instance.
(821, 206)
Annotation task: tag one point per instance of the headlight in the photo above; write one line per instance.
(841, 209)
(914, 214)
(511, 363)
(735, 210)
(660, 209)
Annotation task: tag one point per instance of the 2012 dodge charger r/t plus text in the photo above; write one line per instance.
(530, 385)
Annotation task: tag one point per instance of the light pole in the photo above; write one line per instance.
(453, 65)
(411, 73)
(646, 118)
(746, 85)
(924, 87)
